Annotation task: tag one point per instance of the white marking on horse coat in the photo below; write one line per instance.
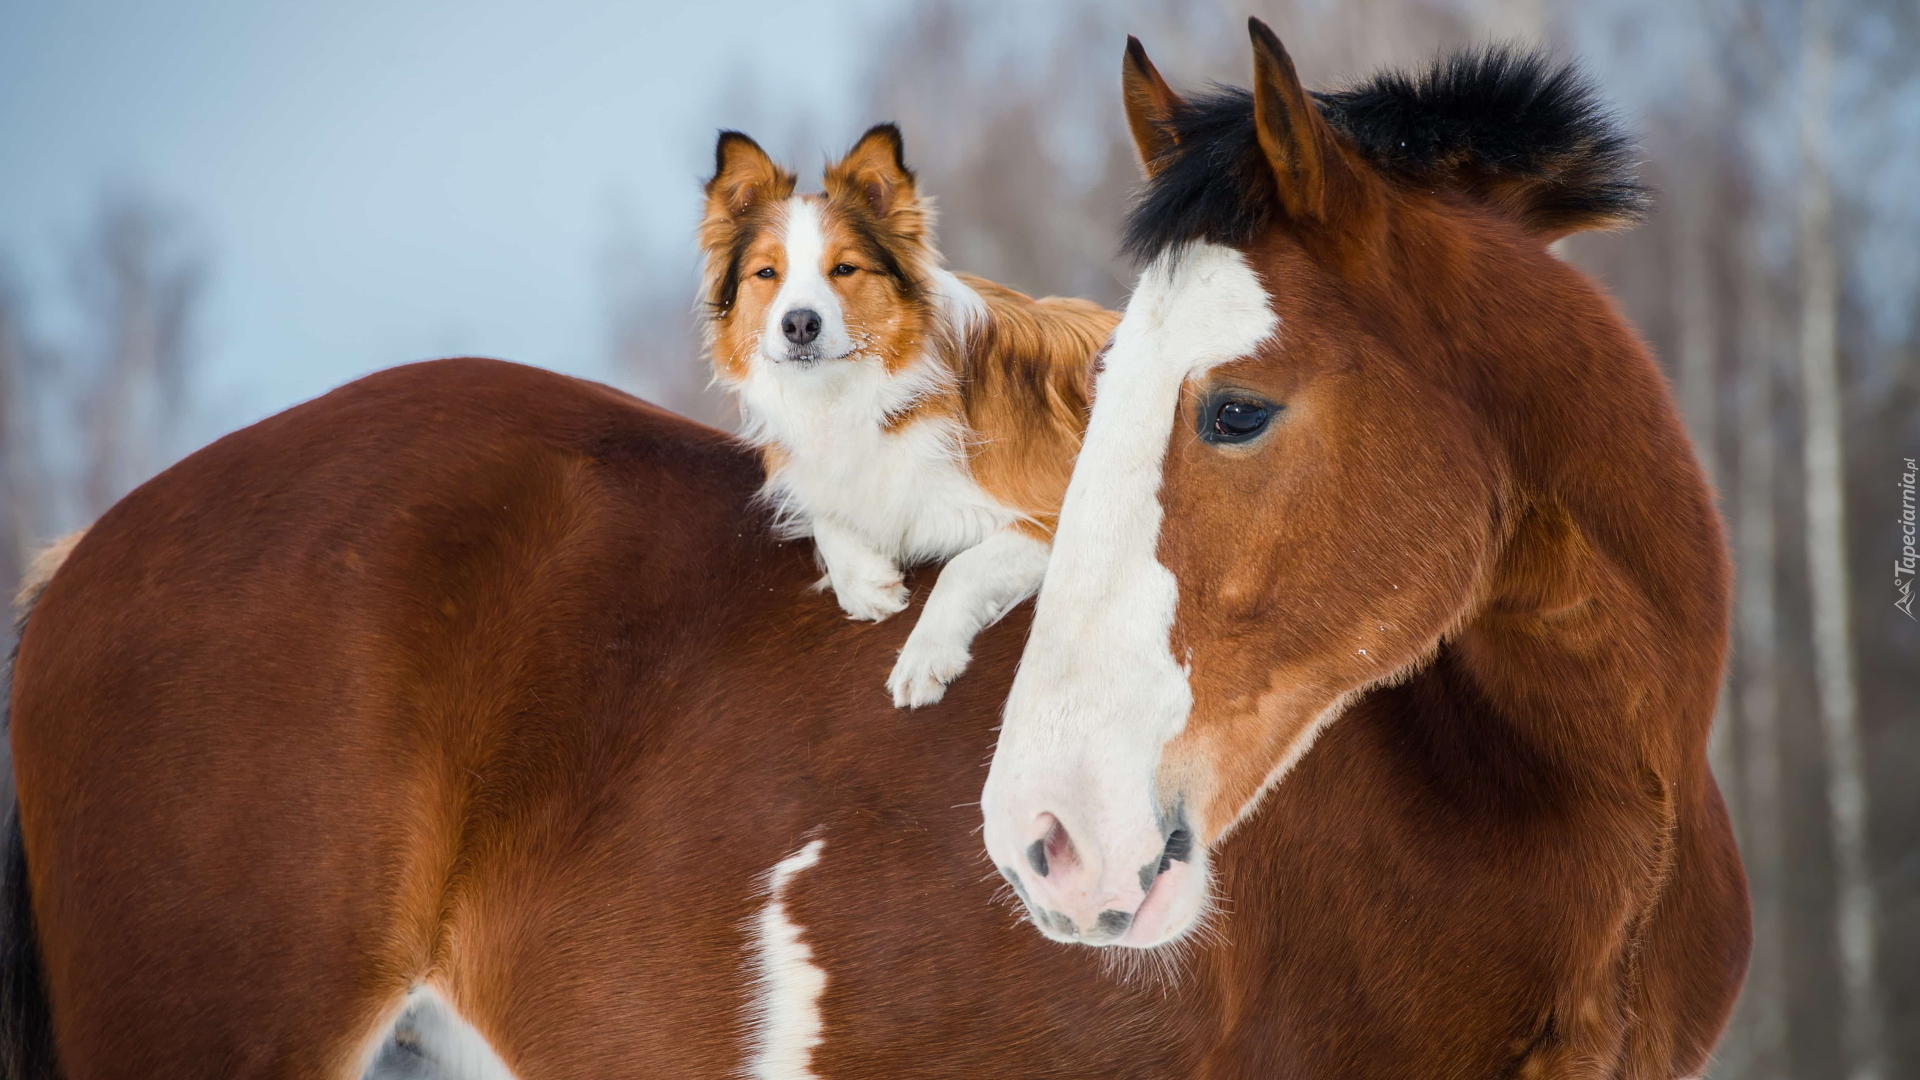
(430, 1040)
(1099, 691)
(785, 1010)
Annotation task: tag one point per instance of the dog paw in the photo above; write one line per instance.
(926, 665)
(871, 601)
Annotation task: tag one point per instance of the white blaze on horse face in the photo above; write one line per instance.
(1099, 691)
(785, 1012)
(805, 287)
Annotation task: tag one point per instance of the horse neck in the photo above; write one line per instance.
(1603, 625)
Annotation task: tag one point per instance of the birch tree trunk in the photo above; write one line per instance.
(1699, 399)
(1694, 305)
(1764, 1025)
(1855, 904)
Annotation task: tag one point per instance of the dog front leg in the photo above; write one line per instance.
(864, 579)
(977, 587)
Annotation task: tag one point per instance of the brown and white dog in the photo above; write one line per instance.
(906, 414)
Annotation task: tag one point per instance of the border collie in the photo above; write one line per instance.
(905, 414)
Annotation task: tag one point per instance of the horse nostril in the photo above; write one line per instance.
(1053, 849)
(801, 325)
(1179, 845)
(1179, 849)
(1037, 857)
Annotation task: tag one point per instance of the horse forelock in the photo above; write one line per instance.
(1518, 130)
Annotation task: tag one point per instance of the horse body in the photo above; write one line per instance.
(489, 682)
(479, 707)
(484, 679)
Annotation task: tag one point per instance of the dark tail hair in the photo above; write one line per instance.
(26, 1024)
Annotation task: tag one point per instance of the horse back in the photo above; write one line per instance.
(282, 701)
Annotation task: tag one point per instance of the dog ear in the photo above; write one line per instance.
(743, 174)
(875, 172)
(1150, 104)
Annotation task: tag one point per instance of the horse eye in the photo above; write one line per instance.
(765, 272)
(844, 269)
(1237, 420)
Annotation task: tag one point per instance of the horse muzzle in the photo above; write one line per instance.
(1136, 888)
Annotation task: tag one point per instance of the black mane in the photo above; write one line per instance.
(1515, 128)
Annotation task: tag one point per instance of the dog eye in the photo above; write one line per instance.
(844, 269)
(765, 272)
(1237, 420)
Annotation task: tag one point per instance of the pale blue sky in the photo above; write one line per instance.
(378, 181)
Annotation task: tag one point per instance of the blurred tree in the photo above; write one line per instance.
(20, 458)
(654, 331)
(1856, 903)
(84, 420)
(1757, 1044)
(137, 283)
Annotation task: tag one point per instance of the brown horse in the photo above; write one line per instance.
(480, 706)
(1368, 465)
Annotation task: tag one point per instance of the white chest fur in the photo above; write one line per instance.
(878, 495)
(906, 490)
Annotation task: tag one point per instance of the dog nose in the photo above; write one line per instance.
(801, 325)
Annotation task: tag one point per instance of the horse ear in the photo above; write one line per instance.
(1151, 104)
(875, 171)
(1297, 142)
(743, 174)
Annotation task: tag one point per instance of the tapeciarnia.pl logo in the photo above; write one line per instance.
(1903, 567)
